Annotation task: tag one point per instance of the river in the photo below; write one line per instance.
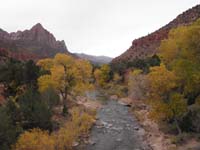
(116, 129)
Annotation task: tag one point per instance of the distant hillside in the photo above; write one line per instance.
(31, 44)
(95, 59)
(148, 45)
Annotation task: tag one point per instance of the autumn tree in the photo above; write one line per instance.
(84, 76)
(180, 53)
(66, 74)
(162, 82)
(102, 75)
(117, 78)
(167, 104)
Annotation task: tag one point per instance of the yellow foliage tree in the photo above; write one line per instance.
(161, 82)
(66, 74)
(84, 75)
(173, 109)
(180, 53)
(46, 63)
(102, 75)
(166, 103)
(117, 78)
(183, 42)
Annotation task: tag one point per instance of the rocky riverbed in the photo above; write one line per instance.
(116, 129)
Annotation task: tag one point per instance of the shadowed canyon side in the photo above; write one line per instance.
(148, 45)
(31, 44)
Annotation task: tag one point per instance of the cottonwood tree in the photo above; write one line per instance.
(102, 75)
(167, 104)
(180, 53)
(66, 74)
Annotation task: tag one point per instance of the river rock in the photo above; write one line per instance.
(125, 101)
(118, 140)
(136, 128)
(113, 97)
(91, 142)
(75, 144)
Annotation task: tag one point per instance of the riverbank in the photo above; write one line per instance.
(157, 139)
(154, 137)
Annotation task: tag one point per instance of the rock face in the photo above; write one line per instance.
(31, 44)
(148, 45)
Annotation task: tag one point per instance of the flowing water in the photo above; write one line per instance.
(116, 129)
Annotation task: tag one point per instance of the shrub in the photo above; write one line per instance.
(137, 85)
(191, 120)
(35, 139)
(78, 125)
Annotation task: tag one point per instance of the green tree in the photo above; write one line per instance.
(30, 73)
(11, 76)
(7, 130)
(50, 97)
(36, 113)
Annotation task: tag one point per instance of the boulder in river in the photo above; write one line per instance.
(113, 97)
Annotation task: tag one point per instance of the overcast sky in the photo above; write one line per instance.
(98, 27)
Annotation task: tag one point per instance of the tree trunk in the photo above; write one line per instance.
(177, 126)
(65, 88)
(65, 99)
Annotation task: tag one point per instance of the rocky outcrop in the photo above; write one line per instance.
(34, 43)
(148, 45)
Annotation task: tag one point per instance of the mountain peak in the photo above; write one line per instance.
(37, 41)
(38, 26)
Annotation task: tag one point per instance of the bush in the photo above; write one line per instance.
(78, 125)
(179, 138)
(35, 139)
(63, 139)
(137, 85)
(191, 120)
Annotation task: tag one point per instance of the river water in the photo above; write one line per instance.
(116, 129)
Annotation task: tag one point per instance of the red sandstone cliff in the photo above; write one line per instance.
(148, 45)
(31, 44)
